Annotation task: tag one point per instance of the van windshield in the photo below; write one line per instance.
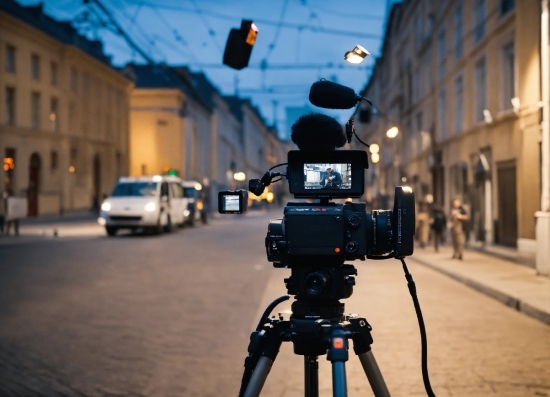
(135, 189)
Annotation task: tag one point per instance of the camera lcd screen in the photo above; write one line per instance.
(327, 176)
(232, 202)
(333, 174)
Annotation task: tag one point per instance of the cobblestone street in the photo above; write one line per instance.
(170, 315)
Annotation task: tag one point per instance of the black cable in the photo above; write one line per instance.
(278, 165)
(423, 337)
(269, 309)
(359, 139)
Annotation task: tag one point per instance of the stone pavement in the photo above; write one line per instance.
(514, 285)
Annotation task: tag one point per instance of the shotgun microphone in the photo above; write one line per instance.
(329, 95)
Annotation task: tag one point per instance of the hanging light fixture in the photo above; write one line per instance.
(357, 55)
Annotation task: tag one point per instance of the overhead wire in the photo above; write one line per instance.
(268, 22)
(277, 31)
(176, 34)
(211, 32)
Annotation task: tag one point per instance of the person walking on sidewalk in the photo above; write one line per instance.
(438, 222)
(457, 218)
(422, 225)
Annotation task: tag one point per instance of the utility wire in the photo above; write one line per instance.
(176, 34)
(277, 32)
(267, 22)
(211, 32)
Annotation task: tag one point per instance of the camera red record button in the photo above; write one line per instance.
(337, 249)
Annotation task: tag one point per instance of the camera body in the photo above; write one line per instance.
(315, 239)
(314, 233)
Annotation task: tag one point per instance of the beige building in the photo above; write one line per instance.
(461, 82)
(64, 118)
(181, 124)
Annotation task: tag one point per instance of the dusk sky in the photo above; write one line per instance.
(301, 41)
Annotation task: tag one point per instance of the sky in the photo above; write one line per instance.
(299, 41)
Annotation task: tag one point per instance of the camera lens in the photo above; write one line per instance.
(316, 282)
(380, 236)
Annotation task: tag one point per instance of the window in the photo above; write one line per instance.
(10, 106)
(177, 190)
(508, 76)
(459, 105)
(53, 160)
(459, 30)
(72, 164)
(54, 105)
(480, 89)
(419, 25)
(74, 80)
(10, 59)
(479, 20)
(53, 73)
(416, 85)
(35, 110)
(506, 6)
(72, 116)
(35, 67)
(441, 54)
(442, 115)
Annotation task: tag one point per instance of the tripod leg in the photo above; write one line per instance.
(311, 376)
(339, 386)
(338, 355)
(374, 375)
(259, 376)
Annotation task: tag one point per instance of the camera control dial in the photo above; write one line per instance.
(354, 220)
(352, 246)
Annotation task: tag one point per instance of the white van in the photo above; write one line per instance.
(153, 203)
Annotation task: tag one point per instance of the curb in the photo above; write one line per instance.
(500, 296)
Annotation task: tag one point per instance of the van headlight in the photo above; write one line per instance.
(150, 207)
(106, 207)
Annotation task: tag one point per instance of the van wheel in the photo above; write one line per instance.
(168, 226)
(111, 231)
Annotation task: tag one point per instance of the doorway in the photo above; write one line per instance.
(96, 199)
(34, 184)
(507, 204)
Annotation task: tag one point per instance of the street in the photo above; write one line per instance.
(170, 315)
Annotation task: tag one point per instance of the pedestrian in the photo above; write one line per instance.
(438, 222)
(457, 218)
(423, 225)
(8, 222)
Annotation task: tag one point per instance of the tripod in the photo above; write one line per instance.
(315, 329)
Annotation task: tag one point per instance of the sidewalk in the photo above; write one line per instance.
(515, 285)
(76, 224)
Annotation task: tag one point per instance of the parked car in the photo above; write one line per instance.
(153, 203)
(196, 211)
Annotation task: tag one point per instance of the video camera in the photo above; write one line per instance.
(315, 239)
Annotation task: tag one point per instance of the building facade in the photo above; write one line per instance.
(64, 119)
(461, 82)
(180, 123)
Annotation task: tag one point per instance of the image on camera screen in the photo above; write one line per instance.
(327, 176)
(231, 203)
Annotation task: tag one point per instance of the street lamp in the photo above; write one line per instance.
(374, 150)
(392, 132)
(239, 176)
(357, 55)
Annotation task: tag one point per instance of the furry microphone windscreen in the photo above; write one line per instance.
(316, 132)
